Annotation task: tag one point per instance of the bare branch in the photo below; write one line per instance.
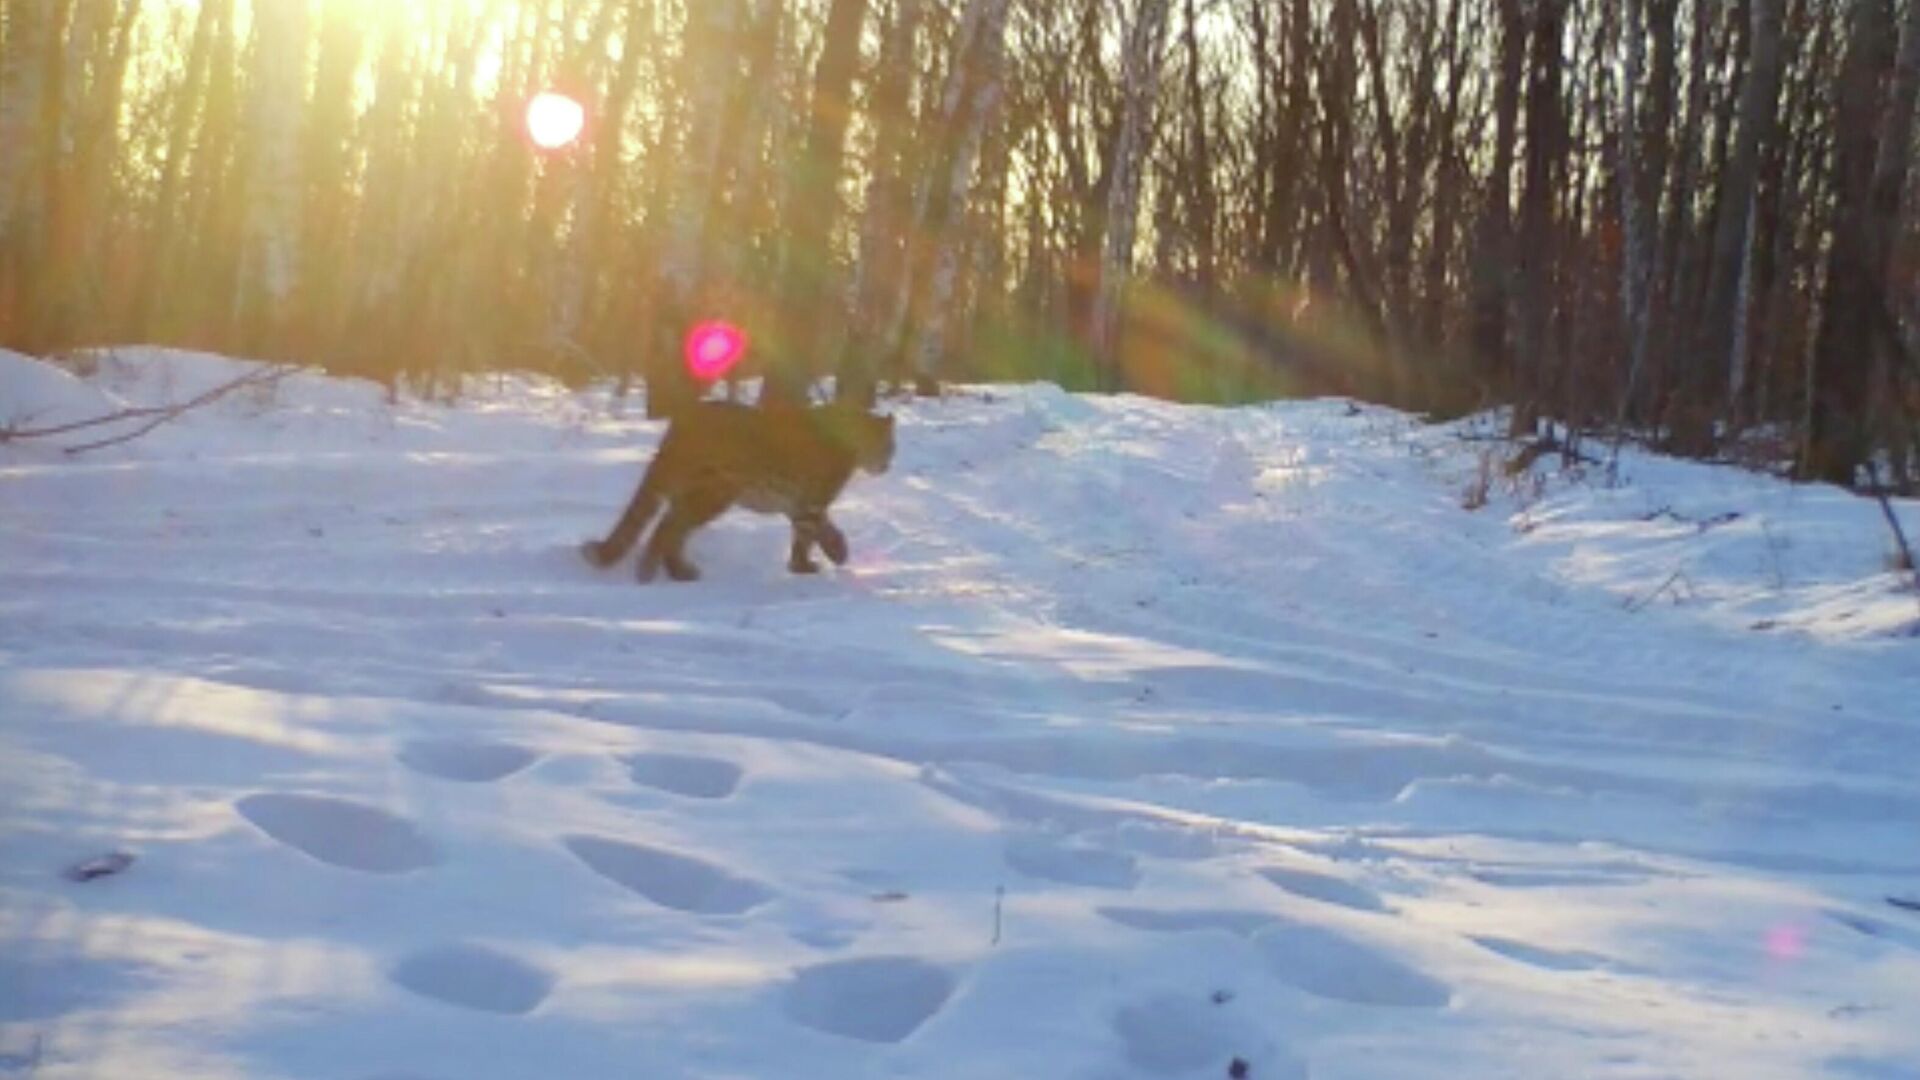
(155, 415)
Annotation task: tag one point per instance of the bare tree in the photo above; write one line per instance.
(1139, 80)
(972, 97)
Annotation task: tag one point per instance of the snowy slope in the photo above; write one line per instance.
(1137, 739)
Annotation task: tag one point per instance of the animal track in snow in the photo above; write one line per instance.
(474, 977)
(1539, 956)
(1163, 921)
(670, 878)
(880, 999)
(1877, 929)
(690, 775)
(1324, 887)
(345, 834)
(1331, 965)
(1314, 959)
(1554, 878)
(1169, 1034)
(1050, 859)
(465, 760)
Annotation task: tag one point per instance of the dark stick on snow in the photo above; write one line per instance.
(1893, 523)
(1636, 605)
(155, 415)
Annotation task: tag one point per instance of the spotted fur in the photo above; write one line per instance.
(787, 460)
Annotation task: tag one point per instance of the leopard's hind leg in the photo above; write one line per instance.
(667, 545)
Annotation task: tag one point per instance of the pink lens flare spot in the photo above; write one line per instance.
(554, 120)
(1787, 941)
(713, 348)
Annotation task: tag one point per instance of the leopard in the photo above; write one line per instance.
(791, 459)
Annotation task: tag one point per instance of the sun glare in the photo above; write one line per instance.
(554, 120)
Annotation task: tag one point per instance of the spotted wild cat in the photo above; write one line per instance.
(787, 460)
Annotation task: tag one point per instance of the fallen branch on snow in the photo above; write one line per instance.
(154, 415)
(1904, 549)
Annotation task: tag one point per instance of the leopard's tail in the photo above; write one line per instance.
(627, 531)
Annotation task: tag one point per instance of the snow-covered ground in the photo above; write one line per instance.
(1138, 740)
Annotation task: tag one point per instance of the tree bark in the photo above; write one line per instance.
(1139, 81)
(1837, 441)
(815, 205)
(1491, 274)
(1723, 313)
(880, 269)
(1546, 125)
(973, 98)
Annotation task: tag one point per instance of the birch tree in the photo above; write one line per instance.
(1139, 81)
(973, 96)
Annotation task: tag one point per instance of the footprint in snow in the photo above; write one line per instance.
(670, 878)
(1311, 958)
(1568, 878)
(1331, 965)
(1540, 956)
(690, 775)
(465, 760)
(339, 832)
(1878, 929)
(880, 999)
(474, 977)
(1325, 888)
(1163, 921)
(1051, 859)
(1172, 1034)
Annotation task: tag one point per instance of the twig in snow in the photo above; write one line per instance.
(1676, 576)
(1893, 523)
(155, 415)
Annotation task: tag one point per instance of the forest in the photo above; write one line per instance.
(1682, 222)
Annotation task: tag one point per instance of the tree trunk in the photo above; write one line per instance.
(710, 30)
(1634, 265)
(1491, 274)
(1895, 147)
(1837, 441)
(815, 205)
(1205, 204)
(1536, 264)
(974, 98)
(32, 33)
(167, 213)
(271, 225)
(1139, 81)
(1722, 315)
(881, 268)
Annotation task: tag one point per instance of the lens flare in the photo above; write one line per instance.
(1787, 941)
(713, 348)
(554, 120)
